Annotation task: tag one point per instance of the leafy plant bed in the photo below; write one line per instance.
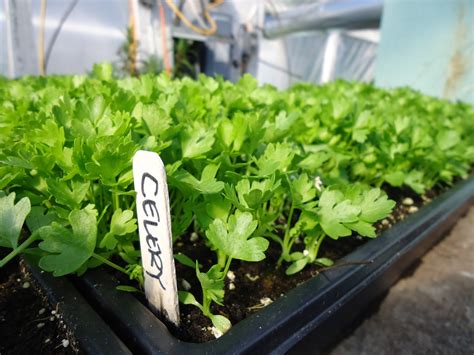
(255, 175)
(312, 315)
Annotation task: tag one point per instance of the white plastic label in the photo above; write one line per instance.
(154, 227)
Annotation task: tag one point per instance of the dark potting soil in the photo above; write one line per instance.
(28, 323)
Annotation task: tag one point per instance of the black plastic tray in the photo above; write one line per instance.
(93, 335)
(309, 317)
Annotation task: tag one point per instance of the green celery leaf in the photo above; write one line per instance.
(208, 183)
(302, 189)
(324, 261)
(334, 212)
(220, 322)
(239, 131)
(253, 198)
(276, 157)
(232, 237)
(254, 195)
(225, 132)
(50, 134)
(284, 121)
(196, 141)
(111, 155)
(363, 228)
(217, 207)
(401, 123)
(156, 119)
(122, 223)
(395, 179)
(415, 179)
(188, 298)
(40, 217)
(69, 249)
(212, 283)
(12, 217)
(127, 288)
(297, 266)
(373, 203)
(8, 174)
(307, 220)
(184, 260)
(103, 71)
(361, 127)
(70, 194)
(447, 139)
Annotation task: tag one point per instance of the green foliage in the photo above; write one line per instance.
(208, 183)
(276, 157)
(337, 214)
(232, 237)
(212, 285)
(246, 165)
(12, 217)
(103, 71)
(69, 249)
(122, 223)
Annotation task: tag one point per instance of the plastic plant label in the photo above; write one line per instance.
(154, 227)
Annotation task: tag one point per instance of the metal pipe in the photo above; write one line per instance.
(342, 14)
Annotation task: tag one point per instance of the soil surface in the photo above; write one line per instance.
(28, 323)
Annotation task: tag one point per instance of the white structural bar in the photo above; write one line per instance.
(21, 46)
(330, 56)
